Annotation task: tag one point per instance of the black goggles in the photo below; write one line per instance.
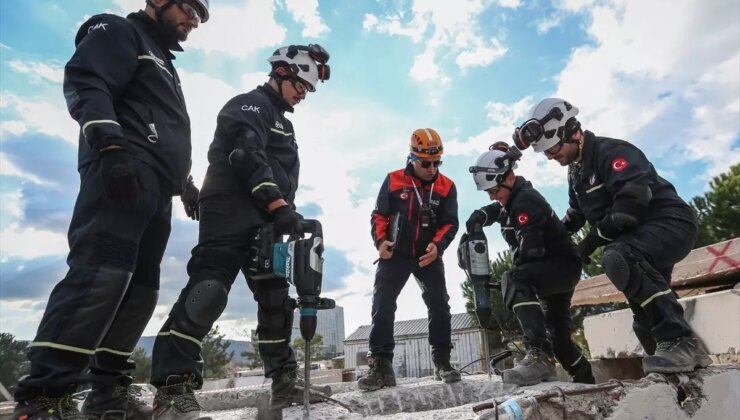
(427, 163)
(430, 151)
(532, 130)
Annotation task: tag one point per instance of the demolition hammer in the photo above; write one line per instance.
(472, 257)
(300, 261)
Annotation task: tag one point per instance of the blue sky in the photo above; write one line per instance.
(661, 74)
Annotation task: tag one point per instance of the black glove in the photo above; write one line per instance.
(287, 221)
(478, 217)
(588, 245)
(189, 199)
(118, 173)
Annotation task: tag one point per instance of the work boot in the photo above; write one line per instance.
(48, 408)
(444, 372)
(582, 373)
(116, 402)
(380, 374)
(682, 354)
(537, 366)
(287, 388)
(176, 401)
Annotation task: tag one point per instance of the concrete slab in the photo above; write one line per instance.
(712, 393)
(714, 317)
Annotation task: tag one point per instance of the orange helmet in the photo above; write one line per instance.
(425, 143)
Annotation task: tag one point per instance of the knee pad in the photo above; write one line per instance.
(515, 291)
(617, 267)
(205, 302)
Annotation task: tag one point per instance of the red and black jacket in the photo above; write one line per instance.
(399, 195)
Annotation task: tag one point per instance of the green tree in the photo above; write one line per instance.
(143, 370)
(13, 361)
(718, 210)
(317, 346)
(254, 360)
(215, 356)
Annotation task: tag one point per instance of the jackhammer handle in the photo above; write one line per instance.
(325, 303)
(313, 227)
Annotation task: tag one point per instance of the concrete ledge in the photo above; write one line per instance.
(714, 317)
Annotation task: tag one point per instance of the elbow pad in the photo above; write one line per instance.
(532, 245)
(631, 205)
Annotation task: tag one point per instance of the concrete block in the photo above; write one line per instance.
(715, 318)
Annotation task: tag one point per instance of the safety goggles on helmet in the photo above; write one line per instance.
(494, 165)
(427, 163)
(429, 151)
(532, 130)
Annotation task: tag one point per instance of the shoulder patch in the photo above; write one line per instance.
(619, 164)
(522, 218)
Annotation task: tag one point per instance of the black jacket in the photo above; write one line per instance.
(255, 124)
(398, 196)
(614, 176)
(529, 225)
(121, 87)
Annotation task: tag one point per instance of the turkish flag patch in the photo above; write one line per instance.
(619, 164)
(522, 218)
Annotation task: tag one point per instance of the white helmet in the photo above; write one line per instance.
(203, 6)
(308, 63)
(493, 165)
(550, 122)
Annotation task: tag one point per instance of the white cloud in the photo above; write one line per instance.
(12, 202)
(651, 63)
(52, 72)
(5, 47)
(545, 24)
(307, 13)
(511, 4)
(12, 127)
(49, 118)
(239, 30)
(8, 169)
(370, 21)
(29, 243)
(454, 30)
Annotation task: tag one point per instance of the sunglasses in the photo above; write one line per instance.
(300, 87)
(190, 11)
(427, 163)
(554, 150)
(533, 129)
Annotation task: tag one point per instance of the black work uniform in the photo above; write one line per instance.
(233, 203)
(614, 175)
(404, 194)
(122, 88)
(539, 288)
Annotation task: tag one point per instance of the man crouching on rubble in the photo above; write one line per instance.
(646, 227)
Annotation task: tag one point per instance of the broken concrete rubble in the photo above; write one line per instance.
(707, 393)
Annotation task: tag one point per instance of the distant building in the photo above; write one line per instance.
(413, 355)
(330, 325)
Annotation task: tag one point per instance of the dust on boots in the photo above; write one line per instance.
(380, 374)
(537, 366)
(681, 354)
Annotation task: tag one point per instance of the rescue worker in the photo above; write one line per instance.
(252, 179)
(423, 203)
(539, 287)
(134, 155)
(645, 226)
